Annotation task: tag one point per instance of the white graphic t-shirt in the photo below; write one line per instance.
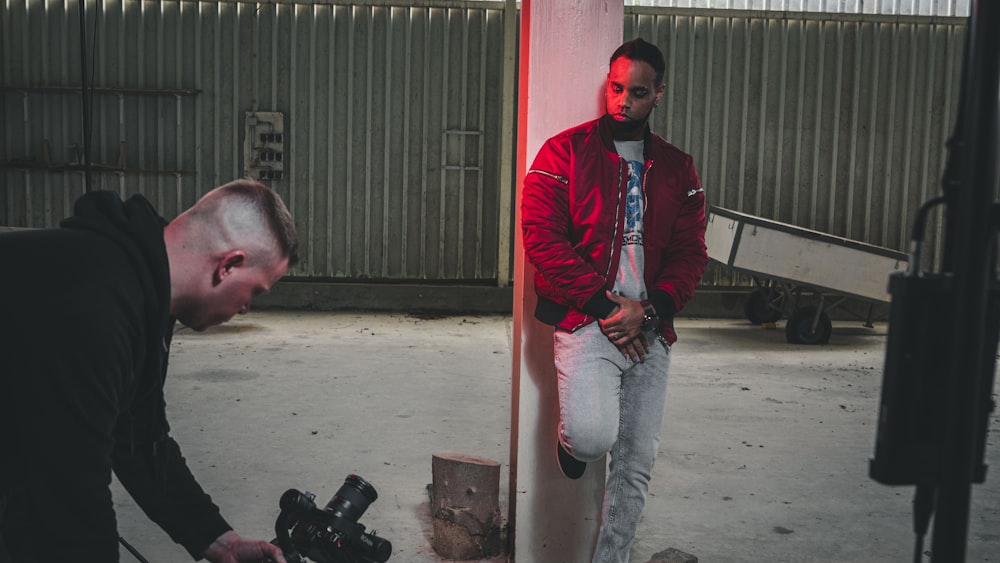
(629, 282)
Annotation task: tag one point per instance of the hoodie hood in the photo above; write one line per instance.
(136, 227)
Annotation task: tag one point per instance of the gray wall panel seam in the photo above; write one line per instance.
(818, 124)
(744, 112)
(407, 97)
(312, 113)
(480, 145)
(762, 117)
(386, 147)
(835, 150)
(780, 144)
(706, 152)
(796, 185)
(908, 136)
(855, 109)
(726, 97)
(891, 141)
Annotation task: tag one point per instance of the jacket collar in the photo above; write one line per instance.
(604, 130)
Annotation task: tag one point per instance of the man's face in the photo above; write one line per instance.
(233, 287)
(630, 96)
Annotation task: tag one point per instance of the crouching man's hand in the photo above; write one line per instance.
(231, 548)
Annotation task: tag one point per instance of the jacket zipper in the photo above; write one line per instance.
(614, 232)
(556, 177)
(614, 237)
(645, 205)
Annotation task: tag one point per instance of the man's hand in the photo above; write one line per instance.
(231, 548)
(623, 327)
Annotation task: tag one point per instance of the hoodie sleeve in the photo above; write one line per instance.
(168, 493)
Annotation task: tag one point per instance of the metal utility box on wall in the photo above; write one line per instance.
(264, 145)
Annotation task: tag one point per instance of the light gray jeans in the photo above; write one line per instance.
(608, 403)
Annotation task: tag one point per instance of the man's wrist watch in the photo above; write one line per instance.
(650, 320)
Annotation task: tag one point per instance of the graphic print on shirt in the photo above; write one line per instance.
(634, 204)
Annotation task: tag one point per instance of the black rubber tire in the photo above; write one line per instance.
(758, 308)
(798, 330)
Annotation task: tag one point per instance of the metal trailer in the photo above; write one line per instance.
(784, 260)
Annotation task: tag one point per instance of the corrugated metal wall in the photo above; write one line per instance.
(392, 117)
(886, 7)
(833, 123)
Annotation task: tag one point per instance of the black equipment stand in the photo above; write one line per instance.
(944, 326)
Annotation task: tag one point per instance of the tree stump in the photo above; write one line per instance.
(465, 506)
(673, 555)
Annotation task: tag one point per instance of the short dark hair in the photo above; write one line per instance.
(639, 49)
(273, 210)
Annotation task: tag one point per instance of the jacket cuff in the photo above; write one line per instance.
(208, 529)
(599, 305)
(664, 304)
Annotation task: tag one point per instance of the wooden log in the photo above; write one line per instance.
(465, 506)
(673, 555)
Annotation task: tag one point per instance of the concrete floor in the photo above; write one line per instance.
(763, 458)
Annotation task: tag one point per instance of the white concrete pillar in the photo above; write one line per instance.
(564, 51)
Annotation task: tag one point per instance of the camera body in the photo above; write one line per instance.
(333, 534)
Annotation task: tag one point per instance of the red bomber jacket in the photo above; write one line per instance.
(573, 217)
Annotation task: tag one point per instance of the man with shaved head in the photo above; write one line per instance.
(88, 312)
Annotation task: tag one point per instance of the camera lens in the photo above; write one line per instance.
(374, 548)
(352, 499)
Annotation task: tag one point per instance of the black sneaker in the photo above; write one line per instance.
(570, 467)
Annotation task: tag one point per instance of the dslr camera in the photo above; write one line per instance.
(332, 534)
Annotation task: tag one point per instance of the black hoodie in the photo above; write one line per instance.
(84, 337)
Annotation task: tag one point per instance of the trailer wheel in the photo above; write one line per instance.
(758, 308)
(798, 330)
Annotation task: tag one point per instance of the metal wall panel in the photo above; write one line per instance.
(885, 7)
(836, 125)
(392, 114)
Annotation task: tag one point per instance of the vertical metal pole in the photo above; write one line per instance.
(86, 95)
(507, 142)
(967, 250)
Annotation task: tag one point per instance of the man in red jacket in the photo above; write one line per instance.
(613, 219)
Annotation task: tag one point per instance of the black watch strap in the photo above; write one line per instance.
(650, 320)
